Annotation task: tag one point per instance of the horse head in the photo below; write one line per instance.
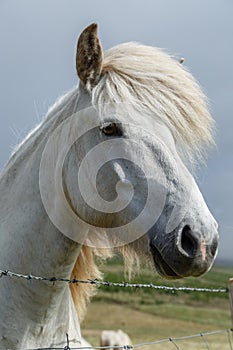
(140, 115)
(140, 165)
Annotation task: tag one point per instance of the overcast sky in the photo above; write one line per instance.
(37, 45)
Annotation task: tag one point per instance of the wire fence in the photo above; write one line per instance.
(174, 340)
(7, 273)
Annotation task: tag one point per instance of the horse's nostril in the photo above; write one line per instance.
(214, 247)
(188, 242)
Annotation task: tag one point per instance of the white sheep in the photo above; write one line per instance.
(114, 338)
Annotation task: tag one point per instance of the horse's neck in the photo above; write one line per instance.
(33, 314)
(29, 324)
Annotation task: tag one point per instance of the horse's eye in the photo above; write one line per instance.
(110, 129)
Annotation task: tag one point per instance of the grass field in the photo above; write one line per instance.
(149, 315)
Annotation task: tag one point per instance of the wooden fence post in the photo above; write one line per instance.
(230, 287)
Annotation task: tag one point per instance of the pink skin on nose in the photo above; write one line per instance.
(203, 250)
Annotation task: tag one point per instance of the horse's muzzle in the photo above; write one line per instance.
(187, 253)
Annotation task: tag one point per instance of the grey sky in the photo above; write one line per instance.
(37, 43)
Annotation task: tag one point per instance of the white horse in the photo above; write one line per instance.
(111, 338)
(104, 171)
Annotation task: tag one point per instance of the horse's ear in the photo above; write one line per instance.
(89, 57)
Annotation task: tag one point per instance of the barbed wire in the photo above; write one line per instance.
(172, 340)
(7, 273)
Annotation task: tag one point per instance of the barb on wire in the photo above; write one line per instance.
(67, 347)
(7, 273)
(172, 341)
(205, 341)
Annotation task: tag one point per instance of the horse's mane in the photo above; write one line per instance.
(151, 80)
(86, 268)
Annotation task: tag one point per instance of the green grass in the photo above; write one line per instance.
(148, 314)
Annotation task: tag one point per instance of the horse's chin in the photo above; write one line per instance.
(163, 269)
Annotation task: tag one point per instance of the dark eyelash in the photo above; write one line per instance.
(110, 129)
